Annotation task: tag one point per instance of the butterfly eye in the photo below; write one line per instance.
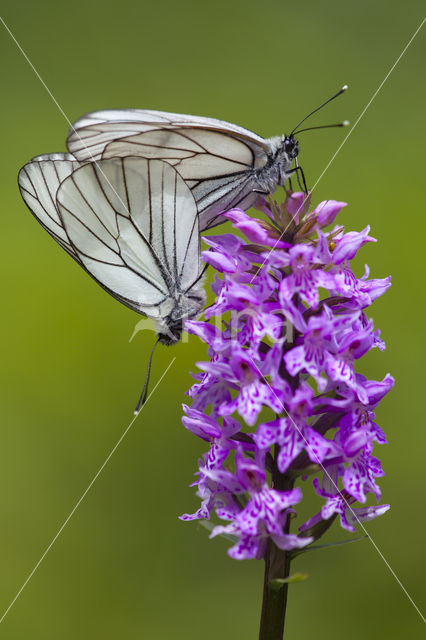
(291, 147)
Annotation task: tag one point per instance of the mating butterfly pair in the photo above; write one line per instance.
(129, 200)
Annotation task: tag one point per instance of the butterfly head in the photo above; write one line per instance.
(291, 147)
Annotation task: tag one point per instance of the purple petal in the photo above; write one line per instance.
(347, 247)
(365, 514)
(295, 205)
(327, 210)
(287, 541)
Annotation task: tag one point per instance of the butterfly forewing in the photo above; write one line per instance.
(197, 154)
(221, 162)
(215, 165)
(92, 132)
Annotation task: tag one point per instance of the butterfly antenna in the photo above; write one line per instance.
(345, 123)
(144, 393)
(336, 95)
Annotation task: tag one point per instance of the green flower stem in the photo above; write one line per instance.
(277, 569)
(277, 566)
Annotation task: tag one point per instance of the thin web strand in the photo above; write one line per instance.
(339, 148)
(95, 162)
(83, 495)
(342, 496)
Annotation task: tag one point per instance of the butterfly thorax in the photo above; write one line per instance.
(284, 149)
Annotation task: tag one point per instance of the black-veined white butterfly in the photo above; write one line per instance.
(131, 223)
(224, 165)
(118, 206)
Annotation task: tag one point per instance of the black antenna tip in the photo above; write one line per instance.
(342, 90)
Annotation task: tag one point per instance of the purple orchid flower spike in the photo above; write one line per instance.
(280, 397)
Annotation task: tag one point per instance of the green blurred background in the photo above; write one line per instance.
(125, 566)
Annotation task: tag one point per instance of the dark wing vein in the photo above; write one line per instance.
(194, 224)
(207, 196)
(94, 171)
(118, 252)
(150, 202)
(218, 155)
(175, 267)
(166, 265)
(37, 198)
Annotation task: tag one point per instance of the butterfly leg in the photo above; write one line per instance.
(305, 189)
(298, 170)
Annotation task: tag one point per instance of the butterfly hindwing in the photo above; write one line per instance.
(133, 224)
(39, 181)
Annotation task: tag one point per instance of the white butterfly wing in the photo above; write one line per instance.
(90, 134)
(217, 159)
(218, 167)
(39, 181)
(197, 154)
(133, 224)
